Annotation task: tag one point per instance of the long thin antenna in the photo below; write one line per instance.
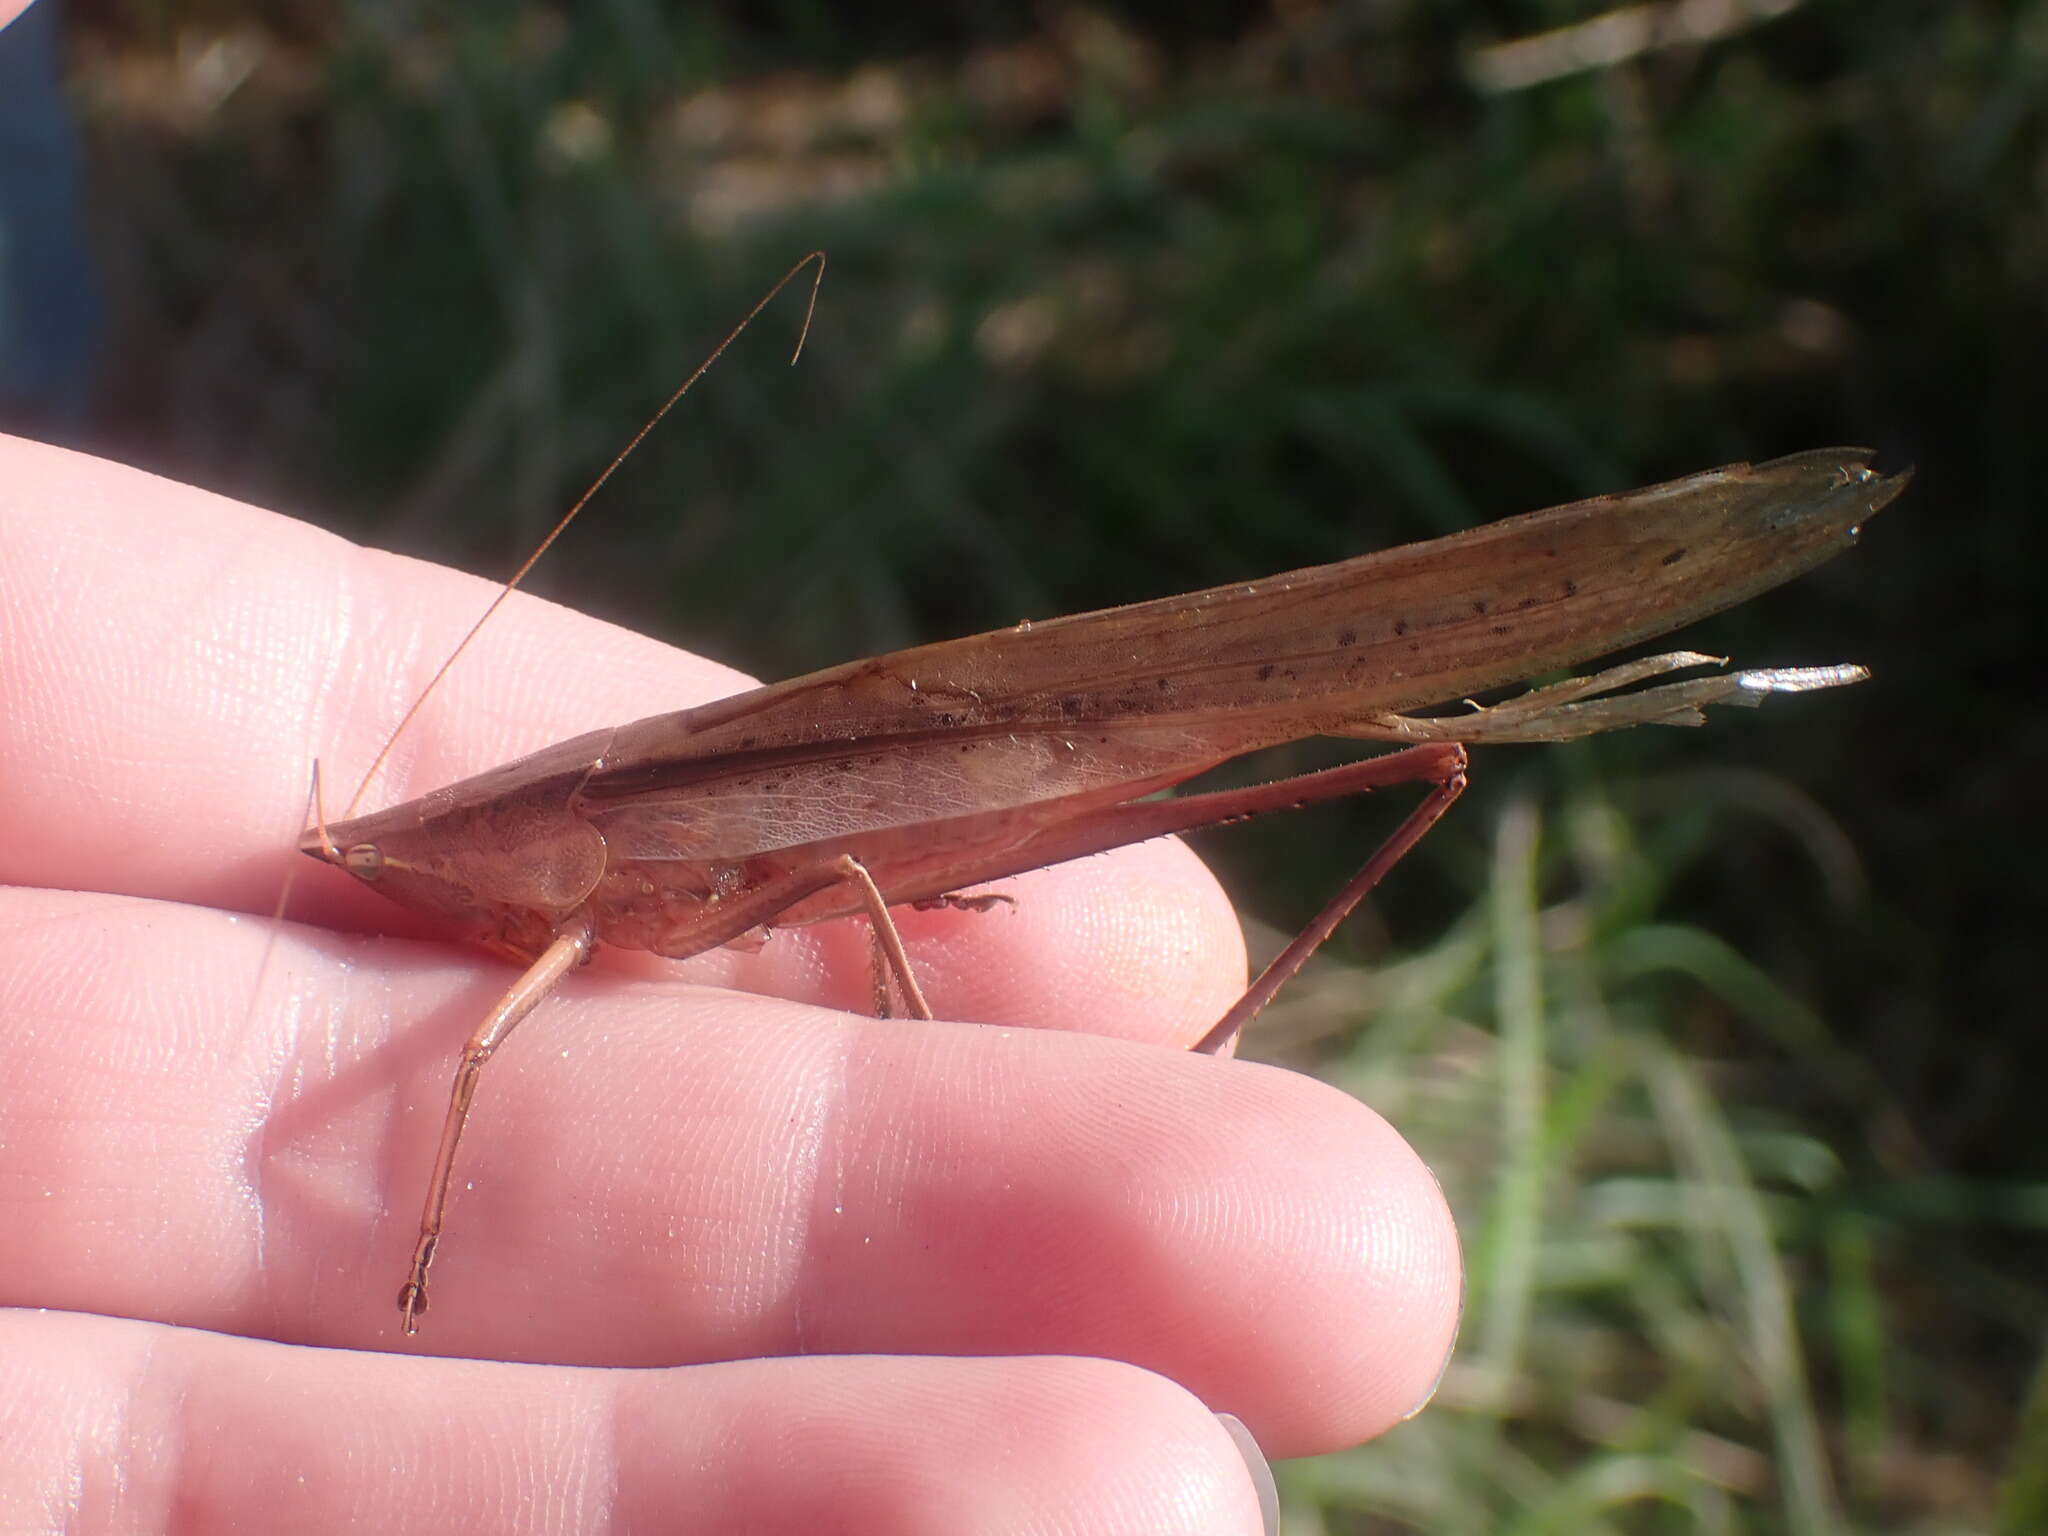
(569, 517)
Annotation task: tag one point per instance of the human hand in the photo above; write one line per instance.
(876, 1274)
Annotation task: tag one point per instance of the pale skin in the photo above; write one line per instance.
(900, 1242)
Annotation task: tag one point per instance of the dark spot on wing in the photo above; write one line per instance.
(1674, 557)
(1347, 637)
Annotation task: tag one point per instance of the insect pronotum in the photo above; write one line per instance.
(919, 775)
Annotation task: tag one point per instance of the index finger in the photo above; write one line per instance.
(178, 660)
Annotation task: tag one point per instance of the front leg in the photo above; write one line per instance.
(571, 947)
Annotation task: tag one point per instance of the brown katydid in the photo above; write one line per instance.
(916, 776)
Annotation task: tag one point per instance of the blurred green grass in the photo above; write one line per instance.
(1721, 1041)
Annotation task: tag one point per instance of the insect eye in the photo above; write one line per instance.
(365, 861)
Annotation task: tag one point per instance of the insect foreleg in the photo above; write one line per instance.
(570, 949)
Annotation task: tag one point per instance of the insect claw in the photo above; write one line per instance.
(412, 1301)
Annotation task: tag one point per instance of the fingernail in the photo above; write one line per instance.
(1255, 1463)
(1457, 1327)
(1451, 1354)
(1434, 1387)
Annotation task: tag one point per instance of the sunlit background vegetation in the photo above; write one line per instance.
(1726, 1044)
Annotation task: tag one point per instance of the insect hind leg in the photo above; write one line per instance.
(1450, 779)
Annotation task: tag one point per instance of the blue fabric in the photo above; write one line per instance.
(49, 296)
